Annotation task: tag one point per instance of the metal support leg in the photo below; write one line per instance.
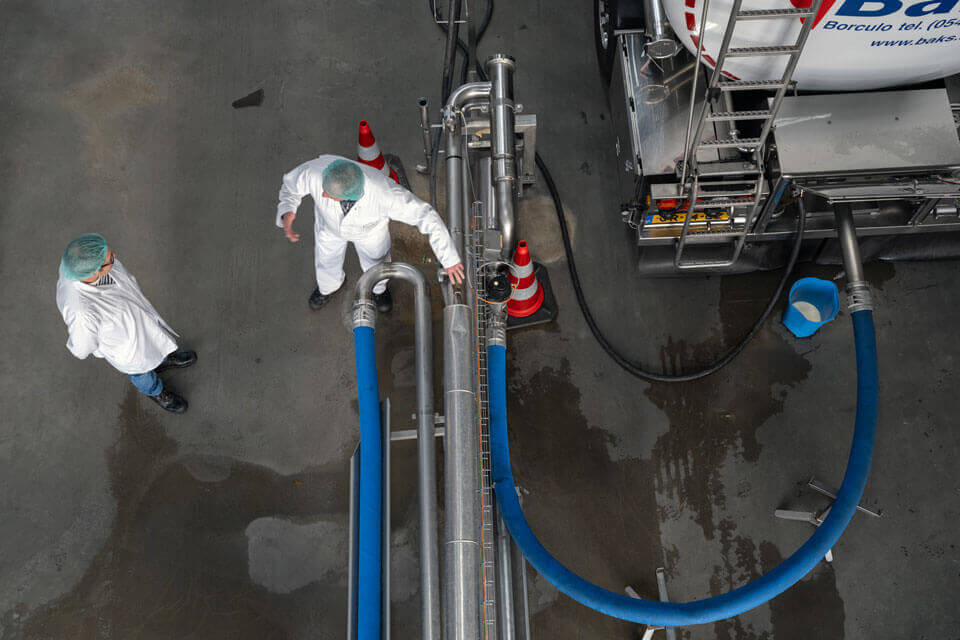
(816, 518)
(662, 593)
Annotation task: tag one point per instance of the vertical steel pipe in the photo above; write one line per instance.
(455, 187)
(461, 479)
(353, 544)
(500, 68)
(364, 312)
(660, 44)
(385, 577)
(505, 582)
(521, 598)
(423, 104)
(858, 291)
(849, 247)
(455, 146)
(462, 552)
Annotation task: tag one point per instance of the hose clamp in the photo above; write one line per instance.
(858, 297)
(497, 328)
(364, 313)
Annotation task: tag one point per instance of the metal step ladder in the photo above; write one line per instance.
(750, 192)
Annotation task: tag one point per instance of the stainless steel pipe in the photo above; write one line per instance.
(423, 104)
(465, 93)
(849, 247)
(455, 158)
(505, 582)
(364, 312)
(858, 291)
(461, 479)
(660, 44)
(500, 68)
(455, 188)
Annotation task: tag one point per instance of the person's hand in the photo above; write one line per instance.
(287, 219)
(456, 273)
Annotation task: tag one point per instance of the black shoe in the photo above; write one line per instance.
(384, 301)
(178, 360)
(170, 401)
(317, 299)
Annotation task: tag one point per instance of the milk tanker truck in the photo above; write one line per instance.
(762, 112)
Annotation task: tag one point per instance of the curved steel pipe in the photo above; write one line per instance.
(364, 314)
(470, 92)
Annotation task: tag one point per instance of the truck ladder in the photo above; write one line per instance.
(749, 193)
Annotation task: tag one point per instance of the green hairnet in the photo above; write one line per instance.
(83, 257)
(343, 179)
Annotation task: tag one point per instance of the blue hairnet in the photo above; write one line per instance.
(83, 257)
(343, 179)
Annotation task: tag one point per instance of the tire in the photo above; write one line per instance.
(604, 23)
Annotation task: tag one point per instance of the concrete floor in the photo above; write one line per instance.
(121, 521)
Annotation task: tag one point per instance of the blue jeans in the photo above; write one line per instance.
(148, 383)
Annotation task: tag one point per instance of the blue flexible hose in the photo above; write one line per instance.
(371, 492)
(752, 594)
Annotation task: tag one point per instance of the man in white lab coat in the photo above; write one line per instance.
(355, 203)
(108, 316)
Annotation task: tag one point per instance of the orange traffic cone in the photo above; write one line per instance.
(527, 292)
(368, 152)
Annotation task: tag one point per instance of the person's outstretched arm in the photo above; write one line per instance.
(292, 192)
(405, 207)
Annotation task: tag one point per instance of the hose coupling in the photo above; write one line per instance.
(858, 296)
(364, 313)
(497, 327)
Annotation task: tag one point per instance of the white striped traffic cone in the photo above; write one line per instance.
(368, 152)
(527, 292)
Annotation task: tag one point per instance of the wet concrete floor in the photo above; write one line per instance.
(121, 521)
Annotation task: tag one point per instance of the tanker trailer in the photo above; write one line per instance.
(755, 110)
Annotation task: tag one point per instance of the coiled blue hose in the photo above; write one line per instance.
(371, 491)
(672, 614)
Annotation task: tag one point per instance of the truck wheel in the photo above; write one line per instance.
(605, 20)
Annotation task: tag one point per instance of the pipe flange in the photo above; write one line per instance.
(501, 58)
(364, 313)
(859, 297)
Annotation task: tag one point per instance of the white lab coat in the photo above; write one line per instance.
(115, 322)
(367, 223)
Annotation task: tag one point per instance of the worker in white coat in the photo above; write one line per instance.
(108, 316)
(355, 203)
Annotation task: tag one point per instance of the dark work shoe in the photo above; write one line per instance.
(178, 360)
(317, 299)
(170, 401)
(384, 301)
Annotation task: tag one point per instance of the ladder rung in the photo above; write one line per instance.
(730, 143)
(744, 52)
(727, 194)
(726, 116)
(716, 204)
(743, 85)
(726, 169)
(712, 237)
(774, 14)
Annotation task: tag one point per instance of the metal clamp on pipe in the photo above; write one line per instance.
(364, 312)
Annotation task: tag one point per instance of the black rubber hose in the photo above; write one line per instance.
(450, 52)
(635, 368)
(461, 45)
